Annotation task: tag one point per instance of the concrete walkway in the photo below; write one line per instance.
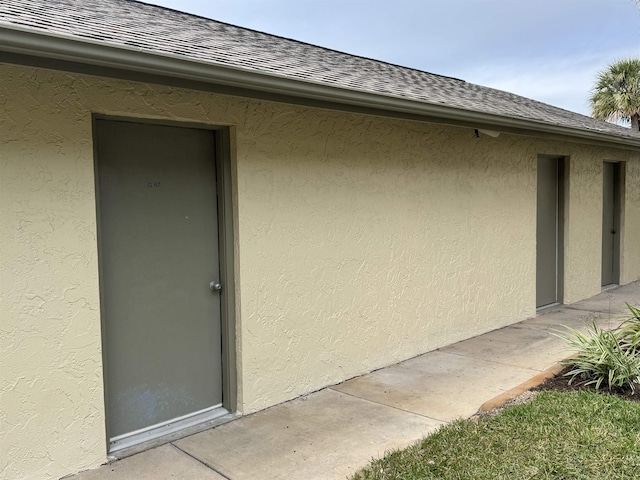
(332, 433)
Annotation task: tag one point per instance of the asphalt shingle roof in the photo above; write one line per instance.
(157, 30)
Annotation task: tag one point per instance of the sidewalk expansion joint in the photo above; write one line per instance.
(390, 406)
(492, 361)
(590, 310)
(200, 461)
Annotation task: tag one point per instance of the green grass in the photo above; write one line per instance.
(577, 435)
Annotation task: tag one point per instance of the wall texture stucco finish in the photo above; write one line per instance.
(630, 248)
(361, 241)
(388, 251)
(583, 254)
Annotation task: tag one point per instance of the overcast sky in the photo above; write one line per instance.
(549, 50)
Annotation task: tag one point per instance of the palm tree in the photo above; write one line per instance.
(616, 95)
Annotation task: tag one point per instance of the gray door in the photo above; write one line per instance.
(158, 255)
(547, 232)
(610, 223)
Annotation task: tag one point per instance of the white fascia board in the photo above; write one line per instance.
(18, 40)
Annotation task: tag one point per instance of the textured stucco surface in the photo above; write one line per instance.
(630, 250)
(361, 241)
(583, 223)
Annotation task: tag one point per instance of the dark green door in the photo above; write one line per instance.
(158, 256)
(547, 232)
(610, 223)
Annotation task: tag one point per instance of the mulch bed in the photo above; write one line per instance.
(560, 383)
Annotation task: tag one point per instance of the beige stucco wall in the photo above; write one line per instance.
(630, 249)
(361, 241)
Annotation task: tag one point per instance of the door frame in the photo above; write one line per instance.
(618, 218)
(226, 228)
(561, 218)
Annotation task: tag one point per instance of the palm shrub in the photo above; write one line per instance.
(629, 331)
(616, 94)
(609, 357)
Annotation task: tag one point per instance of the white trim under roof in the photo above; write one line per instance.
(30, 42)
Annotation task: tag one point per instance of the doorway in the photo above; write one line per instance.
(611, 206)
(549, 231)
(160, 278)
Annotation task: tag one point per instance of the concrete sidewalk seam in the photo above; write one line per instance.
(487, 360)
(388, 406)
(609, 312)
(200, 461)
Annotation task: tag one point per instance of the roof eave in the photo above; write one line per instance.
(46, 45)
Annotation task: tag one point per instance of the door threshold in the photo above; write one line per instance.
(155, 435)
(548, 308)
(611, 286)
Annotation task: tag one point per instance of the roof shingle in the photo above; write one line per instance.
(157, 30)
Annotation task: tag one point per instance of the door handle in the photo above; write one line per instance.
(215, 286)
(613, 231)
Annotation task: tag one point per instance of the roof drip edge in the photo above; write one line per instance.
(27, 42)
